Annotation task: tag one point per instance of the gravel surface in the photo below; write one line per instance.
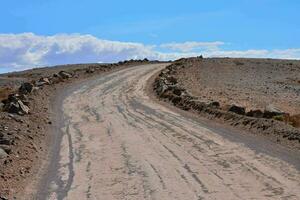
(121, 144)
(252, 83)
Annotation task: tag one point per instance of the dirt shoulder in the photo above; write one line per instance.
(25, 141)
(231, 98)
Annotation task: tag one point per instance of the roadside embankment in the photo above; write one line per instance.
(271, 122)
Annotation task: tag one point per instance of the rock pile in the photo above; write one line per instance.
(18, 103)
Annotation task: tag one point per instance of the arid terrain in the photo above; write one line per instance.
(102, 132)
(251, 83)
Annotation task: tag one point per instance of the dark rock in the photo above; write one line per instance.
(237, 109)
(89, 70)
(26, 88)
(178, 91)
(255, 113)
(5, 141)
(1, 106)
(214, 104)
(176, 100)
(17, 107)
(3, 198)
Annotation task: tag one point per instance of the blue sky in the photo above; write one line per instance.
(241, 25)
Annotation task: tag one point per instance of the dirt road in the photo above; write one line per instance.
(114, 142)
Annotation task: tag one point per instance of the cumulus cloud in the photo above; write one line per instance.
(192, 46)
(27, 50)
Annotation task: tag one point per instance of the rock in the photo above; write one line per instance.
(26, 88)
(23, 108)
(161, 89)
(89, 71)
(3, 154)
(12, 107)
(170, 80)
(64, 75)
(255, 113)
(5, 141)
(1, 106)
(176, 100)
(214, 104)
(237, 109)
(42, 81)
(271, 111)
(3, 198)
(6, 148)
(17, 107)
(178, 91)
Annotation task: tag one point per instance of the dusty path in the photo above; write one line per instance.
(116, 143)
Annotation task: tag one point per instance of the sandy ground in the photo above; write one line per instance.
(114, 142)
(252, 83)
(27, 139)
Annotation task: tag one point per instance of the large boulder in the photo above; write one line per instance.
(271, 111)
(26, 88)
(237, 109)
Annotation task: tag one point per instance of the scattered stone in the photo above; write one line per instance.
(255, 113)
(42, 81)
(271, 111)
(237, 109)
(215, 104)
(3, 154)
(178, 91)
(1, 106)
(3, 198)
(89, 71)
(6, 148)
(26, 88)
(16, 106)
(5, 141)
(64, 75)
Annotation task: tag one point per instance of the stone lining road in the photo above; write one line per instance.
(115, 142)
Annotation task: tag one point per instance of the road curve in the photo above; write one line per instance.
(114, 142)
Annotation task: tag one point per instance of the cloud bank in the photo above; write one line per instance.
(27, 50)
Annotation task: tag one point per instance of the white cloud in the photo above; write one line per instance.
(192, 46)
(27, 50)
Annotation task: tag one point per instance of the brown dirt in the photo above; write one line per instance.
(252, 83)
(223, 81)
(27, 136)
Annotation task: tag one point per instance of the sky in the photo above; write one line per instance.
(37, 33)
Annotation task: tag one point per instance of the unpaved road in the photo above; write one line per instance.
(114, 142)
